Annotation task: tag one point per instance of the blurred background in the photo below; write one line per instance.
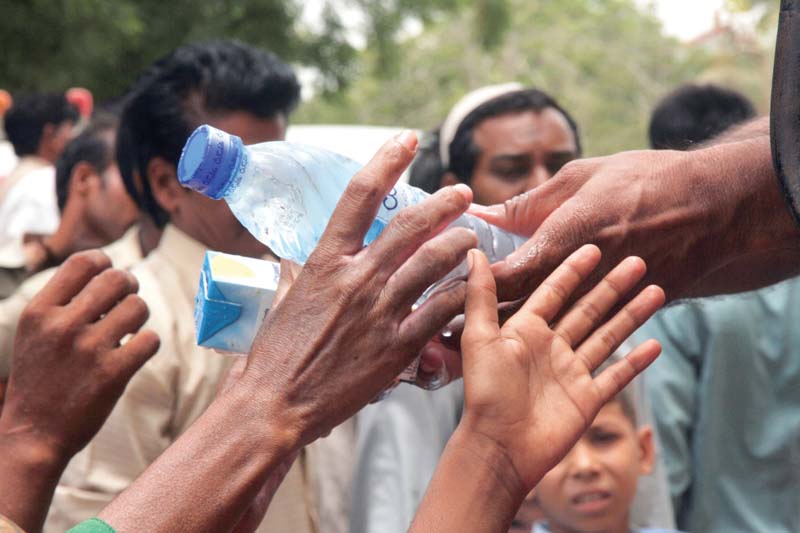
(405, 62)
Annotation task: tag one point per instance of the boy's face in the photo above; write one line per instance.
(593, 487)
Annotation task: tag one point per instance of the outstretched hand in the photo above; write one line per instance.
(709, 221)
(529, 387)
(68, 370)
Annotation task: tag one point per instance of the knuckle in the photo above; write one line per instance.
(557, 289)
(393, 156)
(133, 282)
(60, 328)
(413, 221)
(135, 307)
(454, 200)
(89, 260)
(591, 312)
(614, 287)
(88, 343)
(32, 315)
(363, 187)
(118, 281)
(609, 338)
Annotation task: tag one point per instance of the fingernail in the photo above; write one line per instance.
(464, 190)
(470, 260)
(408, 139)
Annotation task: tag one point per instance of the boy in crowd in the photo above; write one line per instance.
(39, 126)
(593, 487)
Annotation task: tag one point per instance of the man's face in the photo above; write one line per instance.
(519, 151)
(211, 221)
(593, 487)
(110, 209)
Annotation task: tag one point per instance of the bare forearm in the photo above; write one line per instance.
(473, 489)
(758, 127)
(28, 478)
(209, 476)
(758, 242)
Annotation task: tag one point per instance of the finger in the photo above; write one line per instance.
(102, 293)
(605, 340)
(72, 276)
(505, 310)
(414, 225)
(590, 310)
(548, 299)
(359, 204)
(481, 325)
(124, 318)
(429, 264)
(135, 353)
(617, 376)
(435, 355)
(524, 213)
(421, 325)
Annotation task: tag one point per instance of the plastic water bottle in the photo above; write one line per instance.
(285, 193)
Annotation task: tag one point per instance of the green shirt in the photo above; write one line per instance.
(725, 394)
(93, 525)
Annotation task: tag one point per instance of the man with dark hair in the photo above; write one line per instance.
(692, 114)
(248, 92)
(503, 140)
(39, 127)
(95, 212)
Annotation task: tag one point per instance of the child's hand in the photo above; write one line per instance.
(529, 389)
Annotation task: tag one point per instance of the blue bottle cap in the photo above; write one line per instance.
(209, 161)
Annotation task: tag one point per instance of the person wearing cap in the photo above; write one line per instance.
(501, 140)
(247, 92)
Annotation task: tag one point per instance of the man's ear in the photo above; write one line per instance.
(647, 450)
(82, 178)
(448, 178)
(164, 184)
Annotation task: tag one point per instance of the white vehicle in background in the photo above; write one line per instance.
(359, 143)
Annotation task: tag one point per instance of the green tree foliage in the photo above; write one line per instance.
(101, 44)
(607, 62)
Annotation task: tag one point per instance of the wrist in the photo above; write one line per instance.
(267, 421)
(30, 452)
(490, 461)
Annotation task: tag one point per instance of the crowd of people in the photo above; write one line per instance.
(114, 419)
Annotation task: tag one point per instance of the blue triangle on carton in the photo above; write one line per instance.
(212, 312)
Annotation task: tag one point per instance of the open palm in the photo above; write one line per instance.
(529, 386)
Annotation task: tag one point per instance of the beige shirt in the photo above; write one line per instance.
(123, 253)
(162, 400)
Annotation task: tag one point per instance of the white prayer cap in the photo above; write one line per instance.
(468, 103)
